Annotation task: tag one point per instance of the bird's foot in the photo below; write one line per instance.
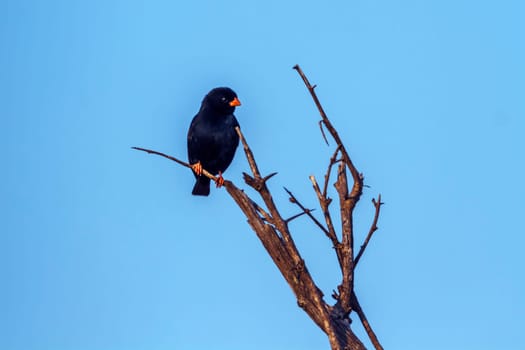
(220, 180)
(197, 168)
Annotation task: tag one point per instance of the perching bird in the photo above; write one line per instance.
(212, 139)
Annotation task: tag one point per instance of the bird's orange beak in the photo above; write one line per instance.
(235, 102)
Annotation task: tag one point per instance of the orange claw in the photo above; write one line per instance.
(197, 168)
(220, 180)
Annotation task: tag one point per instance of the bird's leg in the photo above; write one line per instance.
(197, 168)
(220, 180)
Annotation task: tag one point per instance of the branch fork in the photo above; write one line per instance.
(274, 234)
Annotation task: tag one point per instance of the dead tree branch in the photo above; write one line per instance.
(183, 163)
(289, 261)
(373, 228)
(355, 174)
(347, 201)
(333, 161)
(324, 202)
(273, 231)
(294, 200)
(364, 321)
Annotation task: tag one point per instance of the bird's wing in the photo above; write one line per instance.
(193, 141)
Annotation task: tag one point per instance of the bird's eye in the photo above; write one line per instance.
(223, 99)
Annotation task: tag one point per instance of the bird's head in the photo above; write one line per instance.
(221, 99)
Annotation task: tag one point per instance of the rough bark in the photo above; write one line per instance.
(273, 231)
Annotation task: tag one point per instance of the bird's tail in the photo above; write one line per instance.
(202, 186)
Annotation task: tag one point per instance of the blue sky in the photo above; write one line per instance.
(102, 247)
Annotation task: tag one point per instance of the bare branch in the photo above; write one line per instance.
(265, 215)
(333, 161)
(322, 131)
(268, 177)
(346, 208)
(249, 154)
(187, 165)
(309, 297)
(364, 321)
(273, 231)
(347, 201)
(373, 228)
(305, 211)
(324, 202)
(294, 200)
(259, 184)
(355, 174)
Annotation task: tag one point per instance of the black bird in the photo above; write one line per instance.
(212, 139)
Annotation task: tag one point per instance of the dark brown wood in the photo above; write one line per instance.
(274, 233)
(364, 321)
(373, 228)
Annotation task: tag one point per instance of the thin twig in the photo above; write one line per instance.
(305, 211)
(187, 165)
(364, 321)
(294, 200)
(249, 154)
(333, 160)
(373, 228)
(329, 126)
(322, 132)
(265, 215)
(324, 202)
